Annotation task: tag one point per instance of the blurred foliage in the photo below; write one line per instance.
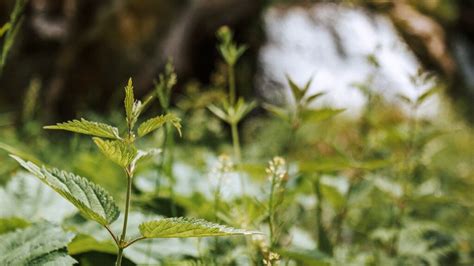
(388, 187)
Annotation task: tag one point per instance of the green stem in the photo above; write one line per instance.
(231, 73)
(235, 142)
(119, 257)
(271, 214)
(122, 241)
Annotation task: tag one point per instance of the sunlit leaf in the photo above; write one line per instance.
(87, 127)
(187, 227)
(157, 122)
(93, 201)
(117, 151)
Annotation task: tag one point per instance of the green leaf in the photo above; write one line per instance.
(314, 116)
(11, 223)
(129, 102)
(277, 111)
(88, 128)
(93, 201)
(4, 28)
(313, 97)
(333, 196)
(157, 122)
(85, 243)
(41, 244)
(426, 95)
(187, 227)
(117, 151)
(219, 112)
(297, 92)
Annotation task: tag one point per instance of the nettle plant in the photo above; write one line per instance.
(96, 204)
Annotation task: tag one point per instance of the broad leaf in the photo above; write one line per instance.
(41, 244)
(187, 227)
(157, 122)
(117, 151)
(93, 201)
(87, 127)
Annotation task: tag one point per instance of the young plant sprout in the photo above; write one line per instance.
(96, 204)
(231, 111)
(298, 112)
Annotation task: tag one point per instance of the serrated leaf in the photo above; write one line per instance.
(117, 151)
(88, 128)
(129, 102)
(157, 122)
(93, 201)
(187, 227)
(41, 244)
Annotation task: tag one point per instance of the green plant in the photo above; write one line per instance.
(96, 204)
(298, 112)
(231, 111)
(9, 31)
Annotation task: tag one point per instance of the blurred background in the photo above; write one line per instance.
(81, 52)
(370, 102)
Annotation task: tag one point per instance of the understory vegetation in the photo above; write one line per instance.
(217, 179)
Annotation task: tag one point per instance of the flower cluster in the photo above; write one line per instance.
(277, 169)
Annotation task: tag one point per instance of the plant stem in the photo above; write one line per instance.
(236, 142)
(119, 257)
(231, 73)
(125, 220)
(271, 213)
